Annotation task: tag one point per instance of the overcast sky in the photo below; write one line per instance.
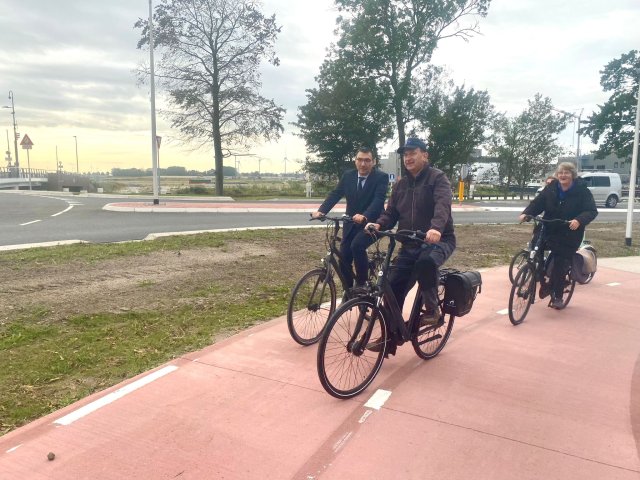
(70, 63)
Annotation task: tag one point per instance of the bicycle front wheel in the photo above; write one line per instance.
(352, 348)
(517, 262)
(569, 287)
(313, 301)
(523, 292)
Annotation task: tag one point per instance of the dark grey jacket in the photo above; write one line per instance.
(421, 203)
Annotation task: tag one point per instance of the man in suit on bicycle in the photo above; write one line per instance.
(365, 189)
(420, 200)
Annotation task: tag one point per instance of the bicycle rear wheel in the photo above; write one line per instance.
(523, 292)
(312, 302)
(428, 341)
(517, 262)
(345, 365)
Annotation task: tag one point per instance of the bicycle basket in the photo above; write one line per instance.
(460, 290)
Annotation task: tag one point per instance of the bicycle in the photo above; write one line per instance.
(520, 258)
(313, 298)
(365, 330)
(534, 271)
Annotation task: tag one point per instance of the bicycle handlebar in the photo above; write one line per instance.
(407, 235)
(343, 218)
(538, 218)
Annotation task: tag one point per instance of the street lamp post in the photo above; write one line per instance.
(77, 168)
(154, 141)
(15, 132)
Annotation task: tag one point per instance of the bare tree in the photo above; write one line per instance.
(210, 53)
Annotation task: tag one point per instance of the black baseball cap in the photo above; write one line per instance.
(411, 144)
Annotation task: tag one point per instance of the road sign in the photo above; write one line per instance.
(392, 177)
(26, 142)
(158, 140)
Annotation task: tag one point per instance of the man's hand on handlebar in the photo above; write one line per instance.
(358, 218)
(574, 224)
(317, 215)
(432, 236)
(524, 218)
(371, 228)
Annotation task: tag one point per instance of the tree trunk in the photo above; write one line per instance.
(217, 142)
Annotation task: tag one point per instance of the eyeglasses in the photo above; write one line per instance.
(364, 159)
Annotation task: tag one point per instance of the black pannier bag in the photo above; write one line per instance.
(460, 290)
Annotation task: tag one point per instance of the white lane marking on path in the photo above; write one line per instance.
(14, 448)
(63, 211)
(378, 399)
(343, 440)
(613, 284)
(29, 223)
(113, 396)
(504, 311)
(364, 416)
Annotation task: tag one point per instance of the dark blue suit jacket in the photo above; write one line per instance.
(370, 202)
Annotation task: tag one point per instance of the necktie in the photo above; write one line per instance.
(360, 183)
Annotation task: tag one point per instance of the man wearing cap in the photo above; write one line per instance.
(365, 189)
(420, 200)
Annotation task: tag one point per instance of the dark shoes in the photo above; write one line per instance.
(557, 303)
(545, 290)
(430, 317)
(359, 290)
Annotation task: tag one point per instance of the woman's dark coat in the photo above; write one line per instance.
(577, 204)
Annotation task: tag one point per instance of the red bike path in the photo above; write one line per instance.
(557, 397)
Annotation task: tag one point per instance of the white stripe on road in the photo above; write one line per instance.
(113, 396)
(504, 311)
(378, 399)
(29, 223)
(613, 284)
(65, 210)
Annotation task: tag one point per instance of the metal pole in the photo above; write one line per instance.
(15, 133)
(77, 168)
(578, 160)
(29, 168)
(154, 142)
(634, 169)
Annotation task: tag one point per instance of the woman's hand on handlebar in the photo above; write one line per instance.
(316, 215)
(524, 218)
(574, 224)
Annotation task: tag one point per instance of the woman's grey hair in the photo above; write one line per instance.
(568, 166)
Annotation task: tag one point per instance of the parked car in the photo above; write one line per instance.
(606, 187)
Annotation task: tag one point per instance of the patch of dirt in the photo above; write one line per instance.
(149, 282)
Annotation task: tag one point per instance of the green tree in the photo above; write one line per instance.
(527, 144)
(457, 124)
(210, 54)
(614, 122)
(393, 40)
(341, 114)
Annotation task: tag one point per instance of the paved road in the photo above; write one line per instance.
(556, 398)
(54, 217)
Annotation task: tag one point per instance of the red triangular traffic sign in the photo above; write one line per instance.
(26, 141)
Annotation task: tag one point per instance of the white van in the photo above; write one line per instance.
(606, 187)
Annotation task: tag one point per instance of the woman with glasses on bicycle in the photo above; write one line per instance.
(566, 198)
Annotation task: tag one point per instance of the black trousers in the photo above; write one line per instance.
(419, 263)
(353, 249)
(561, 262)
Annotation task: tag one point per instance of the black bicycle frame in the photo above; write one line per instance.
(387, 304)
